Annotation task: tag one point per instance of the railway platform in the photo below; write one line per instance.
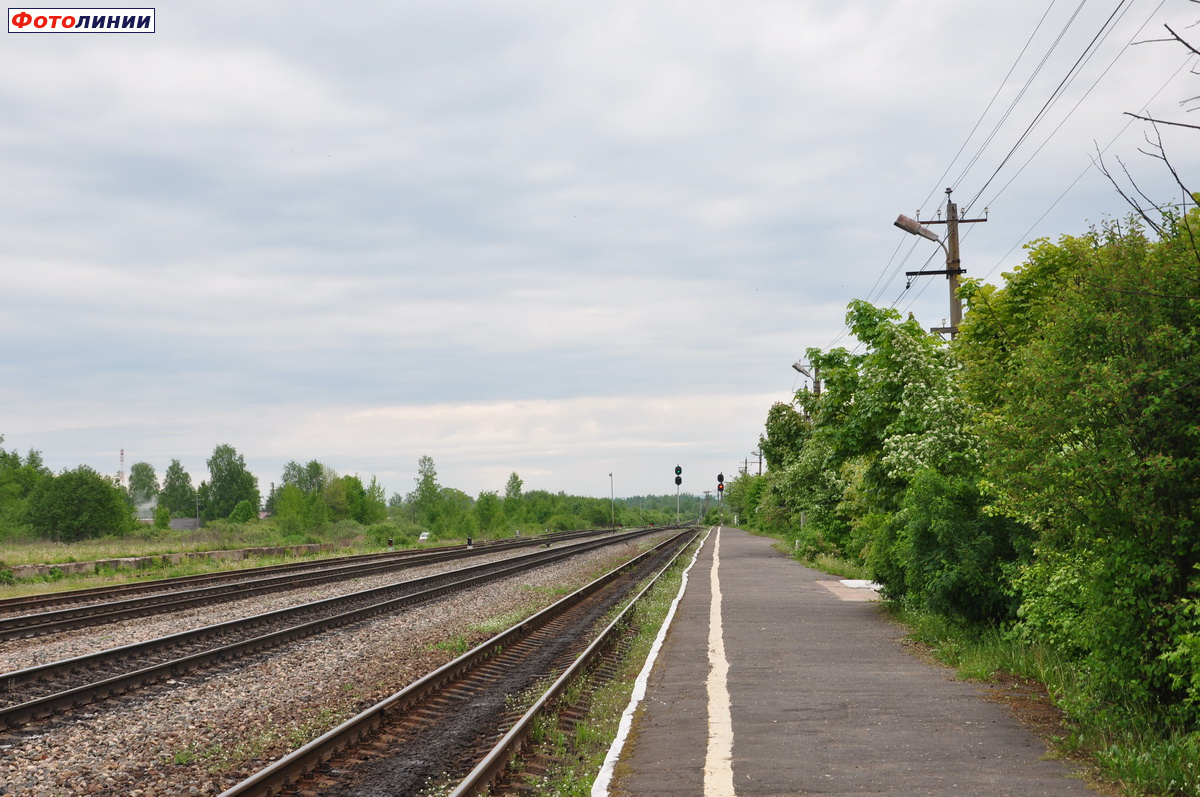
(773, 679)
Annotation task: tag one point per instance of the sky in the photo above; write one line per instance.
(559, 239)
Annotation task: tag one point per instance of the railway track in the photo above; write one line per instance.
(466, 718)
(36, 616)
(58, 687)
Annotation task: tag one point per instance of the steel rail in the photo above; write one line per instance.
(291, 768)
(484, 775)
(40, 624)
(71, 596)
(26, 711)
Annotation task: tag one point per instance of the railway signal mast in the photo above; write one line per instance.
(678, 481)
(720, 493)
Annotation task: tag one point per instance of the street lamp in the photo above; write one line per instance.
(950, 247)
(814, 375)
(914, 227)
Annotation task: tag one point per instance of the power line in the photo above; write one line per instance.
(1020, 94)
(992, 101)
(1106, 147)
(1054, 96)
(1086, 94)
(880, 281)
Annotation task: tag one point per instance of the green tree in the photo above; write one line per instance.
(177, 493)
(786, 432)
(375, 508)
(512, 496)
(338, 495)
(425, 499)
(455, 514)
(1085, 368)
(230, 482)
(297, 512)
(742, 497)
(310, 478)
(79, 504)
(19, 479)
(244, 512)
(143, 483)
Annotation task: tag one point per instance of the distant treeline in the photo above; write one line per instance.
(81, 503)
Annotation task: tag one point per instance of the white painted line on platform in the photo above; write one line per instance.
(604, 777)
(718, 763)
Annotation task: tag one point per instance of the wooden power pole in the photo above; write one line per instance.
(953, 261)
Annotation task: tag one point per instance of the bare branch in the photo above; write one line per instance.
(1181, 40)
(1137, 188)
(1167, 161)
(1098, 161)
(1161, 121)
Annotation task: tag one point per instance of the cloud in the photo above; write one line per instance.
(521, 224)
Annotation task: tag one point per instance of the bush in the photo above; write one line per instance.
(945, 554)
(77, 505)
(378, 534)
(244, 512)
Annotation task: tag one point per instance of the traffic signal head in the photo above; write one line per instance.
(720, 487)
(678, 480)
(678, 471)
(720, 478)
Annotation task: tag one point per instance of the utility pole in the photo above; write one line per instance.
(759, 455)
(814, 375)
(953, 261)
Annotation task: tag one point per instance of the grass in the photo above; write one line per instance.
(145, 542)
(218, 758)
(57, 581)
(347, 537)
(1137, 756)
(833, 564)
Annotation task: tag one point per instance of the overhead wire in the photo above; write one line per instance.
(1086, 94)
(879, 279)
(1020, 94)
(1105, 29)
(1115, 16)
(880, 282)
(992, 101)
(1087, 168)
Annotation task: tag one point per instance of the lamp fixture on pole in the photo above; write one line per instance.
(950, 247)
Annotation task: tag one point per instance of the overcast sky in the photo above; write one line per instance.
(556, 238)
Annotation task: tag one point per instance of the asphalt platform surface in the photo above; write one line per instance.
(824, 699)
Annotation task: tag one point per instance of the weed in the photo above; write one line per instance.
(456, 645)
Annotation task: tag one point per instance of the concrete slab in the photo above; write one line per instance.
(825, 700)
(846, 593)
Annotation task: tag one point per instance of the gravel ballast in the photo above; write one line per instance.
(200, 734)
